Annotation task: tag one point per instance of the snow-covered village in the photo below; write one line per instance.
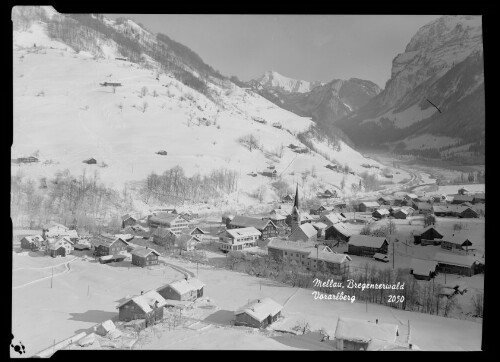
(158, 203)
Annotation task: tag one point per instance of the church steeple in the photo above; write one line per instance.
(295, 211)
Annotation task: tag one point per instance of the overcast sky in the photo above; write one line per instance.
(308, 47)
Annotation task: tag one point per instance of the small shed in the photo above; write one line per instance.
(356, 334)
(90, 161)
(105, 327)
(366, 245)
(259, 313)
(423, 269)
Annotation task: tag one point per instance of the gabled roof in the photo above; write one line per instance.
(260, 309)
(458, 239)
(52, 224)
(127, 216)
(184, 286)
(343, 229)
(276, 217)
(370, 203)
(162, 232)
(463, 198)
(246, 221)
(54, 244)
(243, 232)
(382, 211)
(107, 240)
(146, 301)
(412, 196)
(305, 229)
(423, 267)
(200, 230)
(165, 218)
(365, 331)
(333, 218)
(144, 252)
(367, 241)
(330, 257)
(427, 229)
(319, 225)
(456, 259)
(289, 245)
(33, 238)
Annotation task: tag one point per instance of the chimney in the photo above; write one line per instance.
(410, 345)
(142, 292)
(258, 300)
(376, 321)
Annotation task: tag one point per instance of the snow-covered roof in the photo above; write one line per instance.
(370, 203)
(144, 252)
(330, 257)
(246, 221)
(412, 196)
(56, 243)
(127, 216)
(308, 230)
(319, 225)
(146, 301)
(457, 239)
(343, 229)
(243, 232)
(365, 331)
(423, 267)
(299, 246)
(333, 218)
(34, 238)
(456, 259)
(383, 211)
(108, 325)
(198, 228)
(260, 309)
(184, 286)
(367, 240)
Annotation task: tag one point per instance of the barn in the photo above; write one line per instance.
(163, 236)
(368, 206)
(147, 306)
(401, 214)
(460, 199)
(455, 242)
(332, 218)
(176, 223)
(357, 335)
(32, 242)
(366, 245)
(424, 207)
(317, 209)
(467, 212)
(430, 236)
(423, 269)
(144, 256)
(304, 232)
(184, 289)
(458, 264)
(259, 313)
(61, 246)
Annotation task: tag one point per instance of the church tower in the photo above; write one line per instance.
(295, 211)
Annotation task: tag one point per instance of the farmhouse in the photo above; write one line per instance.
(61, 246)
(106, 244)
(458, 264)
(277, 219)
(467, 212)
(411, 197)
(332, 218)
(455, 242)
(430, 236)
(330, 193)
(186, 242)
(401, 214)
(445, 210)
(287, 198)
(356, 334)
(198, 233)
(184, 289)
(317, 209)
(147, 306)
(460, 199)
(463, 191)
(238, 239)
(333, 262)
(365, 245)
(137, 231)
(369, 206)
(174, 222)
(258, 313)
(424, 207)
(267, 228)
(423, 269)
(339, 231)
(304, 232)
(163, 236)
(386, 200)
(144, 256)
(53, 230)
(380, 213)
(32, 242)
(128, 220)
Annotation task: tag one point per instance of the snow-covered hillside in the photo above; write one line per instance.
(62, 111)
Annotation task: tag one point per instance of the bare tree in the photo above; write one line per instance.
(249, 141)
(144, 91)
(144, 106)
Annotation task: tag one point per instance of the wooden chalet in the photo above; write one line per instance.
(174, 222)
(304, 232)
(106, 244)
(332, 218)
(144, 256)
(287, 198)
(368, 206)
(423, 269)
(128, 220)
(340, 232)
(424, 207)
(458, 264)
(320, 227)
(365, 245)
(183, 290)
(430, 236)
(32, 242)
(460, 199)
(259, 313)
(186, 242)
(198, 233)
(467, 212)
(270, 173)
(381, 213)
(148, 306)
(479, 198)
(386, 200)
(62, 246)
(267, 228)
(317, 209)
(359, 335)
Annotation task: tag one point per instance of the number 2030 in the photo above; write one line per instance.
(396, 299)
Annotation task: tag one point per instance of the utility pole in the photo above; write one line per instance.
(52, 278)
(392, 255)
